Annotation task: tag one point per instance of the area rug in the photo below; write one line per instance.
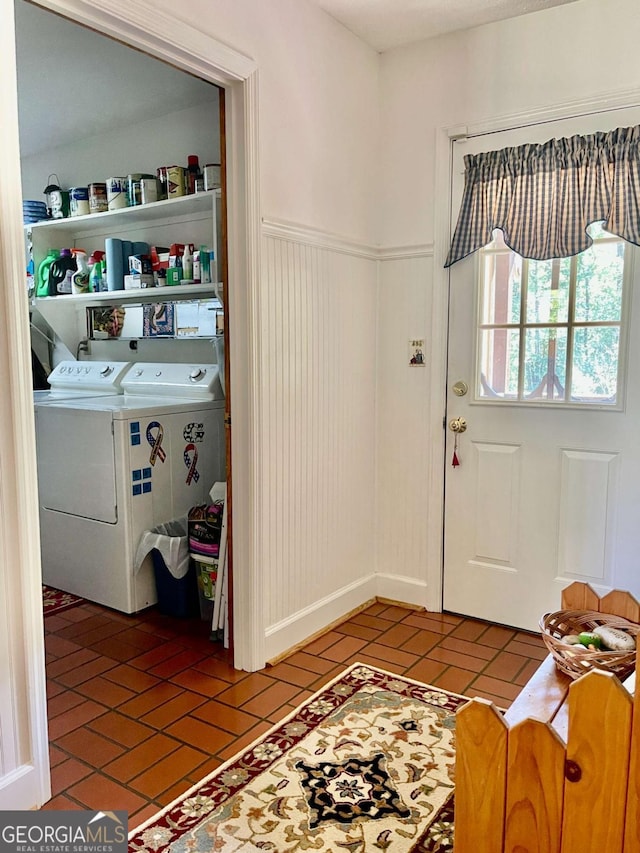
(55, 601)
(365, 764)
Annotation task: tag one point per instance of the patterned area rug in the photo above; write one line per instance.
(365, 764)
(55, 601)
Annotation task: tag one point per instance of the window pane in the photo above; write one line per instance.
(499, 363)
(599, 283)
(502, 288)
(545, 363)
(548, 291)
(594, 376)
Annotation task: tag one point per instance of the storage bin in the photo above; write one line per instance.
(175, 573)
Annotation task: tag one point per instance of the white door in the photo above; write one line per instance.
(545, 493)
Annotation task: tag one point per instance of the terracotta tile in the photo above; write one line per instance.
(63, 702)
(198, 682)
(90, 747)
(451, 658)
(527, 650)
(526, 672)
(136, 819)
(56, 756)
(375, 608)
(86, 671)
(66, 774)
(230, 719)
(317, 646)
(99, 792)
(455, 679)
(396, 614)
(432, 622)
(174, 709)
(121, 729)
(116, 649)
(496, 636)
(156, 656)
(497, 687)
(150, 699)
(141, 757)
(70, 662)
(469, 630)
(368, 620)
(53, 689)
(131, 678)
(499, 701)
(141, 640)
(377, 650)
(285, 671)
(73, 719)
(61, 802)
(530, 637)
(468, 647)
(344, 648)
(200, 773)
(421, 642)
(426, 671)
(244, 741)
(185, 660)
(220, 669)
(397, 636)
(505, 666)
(199, 734)
(105, 691)
(350, 629)
(238, 694)
(315, 664)
(59, 647)
(270, 699)
(168, 771)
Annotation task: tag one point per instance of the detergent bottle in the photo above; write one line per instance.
(60, 273)
(42, 278)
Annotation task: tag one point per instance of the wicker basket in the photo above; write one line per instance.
(578, 660)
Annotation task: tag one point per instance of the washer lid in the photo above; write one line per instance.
(188, 381)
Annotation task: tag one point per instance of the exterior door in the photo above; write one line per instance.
(546, 490)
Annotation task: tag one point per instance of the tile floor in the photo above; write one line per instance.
(142, 707)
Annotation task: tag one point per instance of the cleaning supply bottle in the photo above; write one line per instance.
(42, 278)
(97, 283)
(60, 273)
(187, 264)
(80, 278)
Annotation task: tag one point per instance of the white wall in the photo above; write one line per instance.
(525, 66)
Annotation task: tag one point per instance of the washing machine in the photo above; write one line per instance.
(74, 379)
(112, 467)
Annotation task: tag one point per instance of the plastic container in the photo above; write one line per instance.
(42, 283)
(80, 278)
(60, 273)
(174, 572)
(206, 569)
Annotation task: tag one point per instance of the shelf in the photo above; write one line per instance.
(157, 210)
(144, 294)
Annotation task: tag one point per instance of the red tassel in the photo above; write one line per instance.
(455, 461)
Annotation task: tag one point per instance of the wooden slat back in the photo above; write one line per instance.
(600, 712)
(535, 773)
(632, 816)
(622, 604)
(481, 763)
(580, 596)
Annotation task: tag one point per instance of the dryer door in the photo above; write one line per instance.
(76, 462)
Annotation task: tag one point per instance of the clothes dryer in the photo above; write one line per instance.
(116, 466)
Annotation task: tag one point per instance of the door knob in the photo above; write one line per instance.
(458, 425)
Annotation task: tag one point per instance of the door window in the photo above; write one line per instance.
(551, 332)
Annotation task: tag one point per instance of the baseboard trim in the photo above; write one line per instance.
(302, 627)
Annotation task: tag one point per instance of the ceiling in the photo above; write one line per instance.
(385, 24)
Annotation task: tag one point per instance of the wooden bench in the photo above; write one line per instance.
(559, 772)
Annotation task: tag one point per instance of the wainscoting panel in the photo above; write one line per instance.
(318, 485)
(587, 514)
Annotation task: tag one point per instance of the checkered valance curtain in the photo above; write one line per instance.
(543, 197)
